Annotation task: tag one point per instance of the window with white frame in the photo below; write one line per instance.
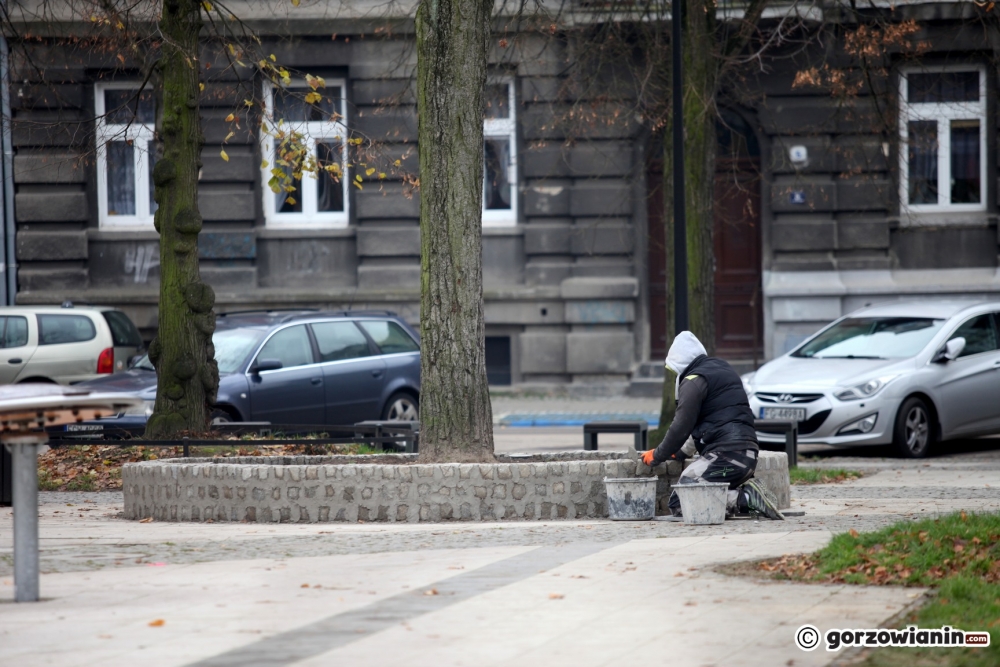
(942, 125)
(317, 198)
(500, 155)
(126, 153)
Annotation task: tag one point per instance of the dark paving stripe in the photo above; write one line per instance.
(341, 629)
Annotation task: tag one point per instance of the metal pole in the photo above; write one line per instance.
(25, 459)
(680, 223)
(10, 257)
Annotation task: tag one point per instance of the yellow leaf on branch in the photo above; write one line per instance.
(313, 98)
(230, 118)
(369, 171)
(224, 155)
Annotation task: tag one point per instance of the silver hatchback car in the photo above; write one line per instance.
(906, 374)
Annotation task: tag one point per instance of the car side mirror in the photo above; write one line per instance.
(266, 365)
(950, 351)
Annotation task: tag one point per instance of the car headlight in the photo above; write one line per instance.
(864, 390)
(863, 425)
(145, 409)
(748, 383)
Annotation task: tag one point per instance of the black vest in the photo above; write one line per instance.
(725, 420)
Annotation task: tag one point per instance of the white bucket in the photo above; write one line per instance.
(703, 503)
(631, 498)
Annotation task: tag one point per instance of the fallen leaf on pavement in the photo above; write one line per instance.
(556, 596)
(853, 532)
(432, 591)
(304, 586)
(148, 519)
(157, 623)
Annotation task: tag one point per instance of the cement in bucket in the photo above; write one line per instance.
(703, 503)
(631, 498)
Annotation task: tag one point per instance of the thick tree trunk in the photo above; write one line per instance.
(187, 375)
(455, 414)
(701, 67)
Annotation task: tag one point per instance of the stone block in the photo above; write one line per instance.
(600, 312)
(547, 198)
(546, 272)
(242, 166)
(503, 260)
(403, 275)
(387, 202)
(601, 159)
(38, 279)
(396, 124)
(547, 239)
(543, 352)
(598, 266)
(382, 59)
(597, 236)
(51, 207)
(221, 205)
(51, 246)
(49, 128)
(600, 352)
(384, 92)
(543, 89)
(937, 248)
(544, 161)
(389, 241)
(864, 193)
(49, 167)
(805, 309)
(861, 233)
(619, 287)
(307, 262)
(804, 233)
(860, 154)
(524, 312)
(601, 198)
(803, 195)
(227, 245)
(230, 278)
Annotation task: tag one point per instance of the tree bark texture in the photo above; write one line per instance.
(668, 404)
(455, 413)
(701, 69)
(187, 375)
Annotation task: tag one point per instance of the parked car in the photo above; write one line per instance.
(67, 344)
(303, 368)
(908, 374)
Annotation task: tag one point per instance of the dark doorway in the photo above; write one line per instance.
(498, 360)
(738, 298)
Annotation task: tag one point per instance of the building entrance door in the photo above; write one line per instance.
(737, 240)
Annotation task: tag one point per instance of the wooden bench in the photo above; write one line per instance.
(791, 431)
(640, 429)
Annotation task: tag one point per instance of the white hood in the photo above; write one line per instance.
(685, 349)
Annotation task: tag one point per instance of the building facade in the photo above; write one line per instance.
(824, 202)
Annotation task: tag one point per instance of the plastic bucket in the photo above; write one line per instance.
(631, 498)
(703, 503)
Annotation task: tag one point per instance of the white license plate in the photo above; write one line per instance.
(784, 414)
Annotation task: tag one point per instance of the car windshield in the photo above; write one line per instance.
(872, 338)
(232, 346)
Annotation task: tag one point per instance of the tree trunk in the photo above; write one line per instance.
(455, 414)
(700, 79)
(187, 375)
(668, 404)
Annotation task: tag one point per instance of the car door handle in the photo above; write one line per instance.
(996, 364)
(377, 373)
(14, 361)
(316, 381)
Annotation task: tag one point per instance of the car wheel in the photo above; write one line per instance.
(401, 407)
(913, 435)
(220, 416)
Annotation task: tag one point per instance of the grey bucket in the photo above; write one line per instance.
(703, 503)
(631, 498)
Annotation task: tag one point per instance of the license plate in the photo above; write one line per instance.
(784, 414)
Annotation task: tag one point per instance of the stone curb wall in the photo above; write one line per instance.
(393, 488)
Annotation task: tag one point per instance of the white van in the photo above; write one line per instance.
(67, 344)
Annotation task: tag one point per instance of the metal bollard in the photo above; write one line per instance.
(25, 459)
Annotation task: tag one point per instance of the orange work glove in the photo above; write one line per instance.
(647, 457)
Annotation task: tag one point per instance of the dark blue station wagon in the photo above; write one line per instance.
(304, 367)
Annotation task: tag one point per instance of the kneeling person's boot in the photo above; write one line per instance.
(758, 501)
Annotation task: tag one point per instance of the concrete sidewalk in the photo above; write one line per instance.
(526, 593)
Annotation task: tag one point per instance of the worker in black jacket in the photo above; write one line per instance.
(713, 410)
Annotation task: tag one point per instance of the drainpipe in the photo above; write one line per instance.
(9, 289)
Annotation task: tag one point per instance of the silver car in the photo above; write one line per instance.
(906, 374)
